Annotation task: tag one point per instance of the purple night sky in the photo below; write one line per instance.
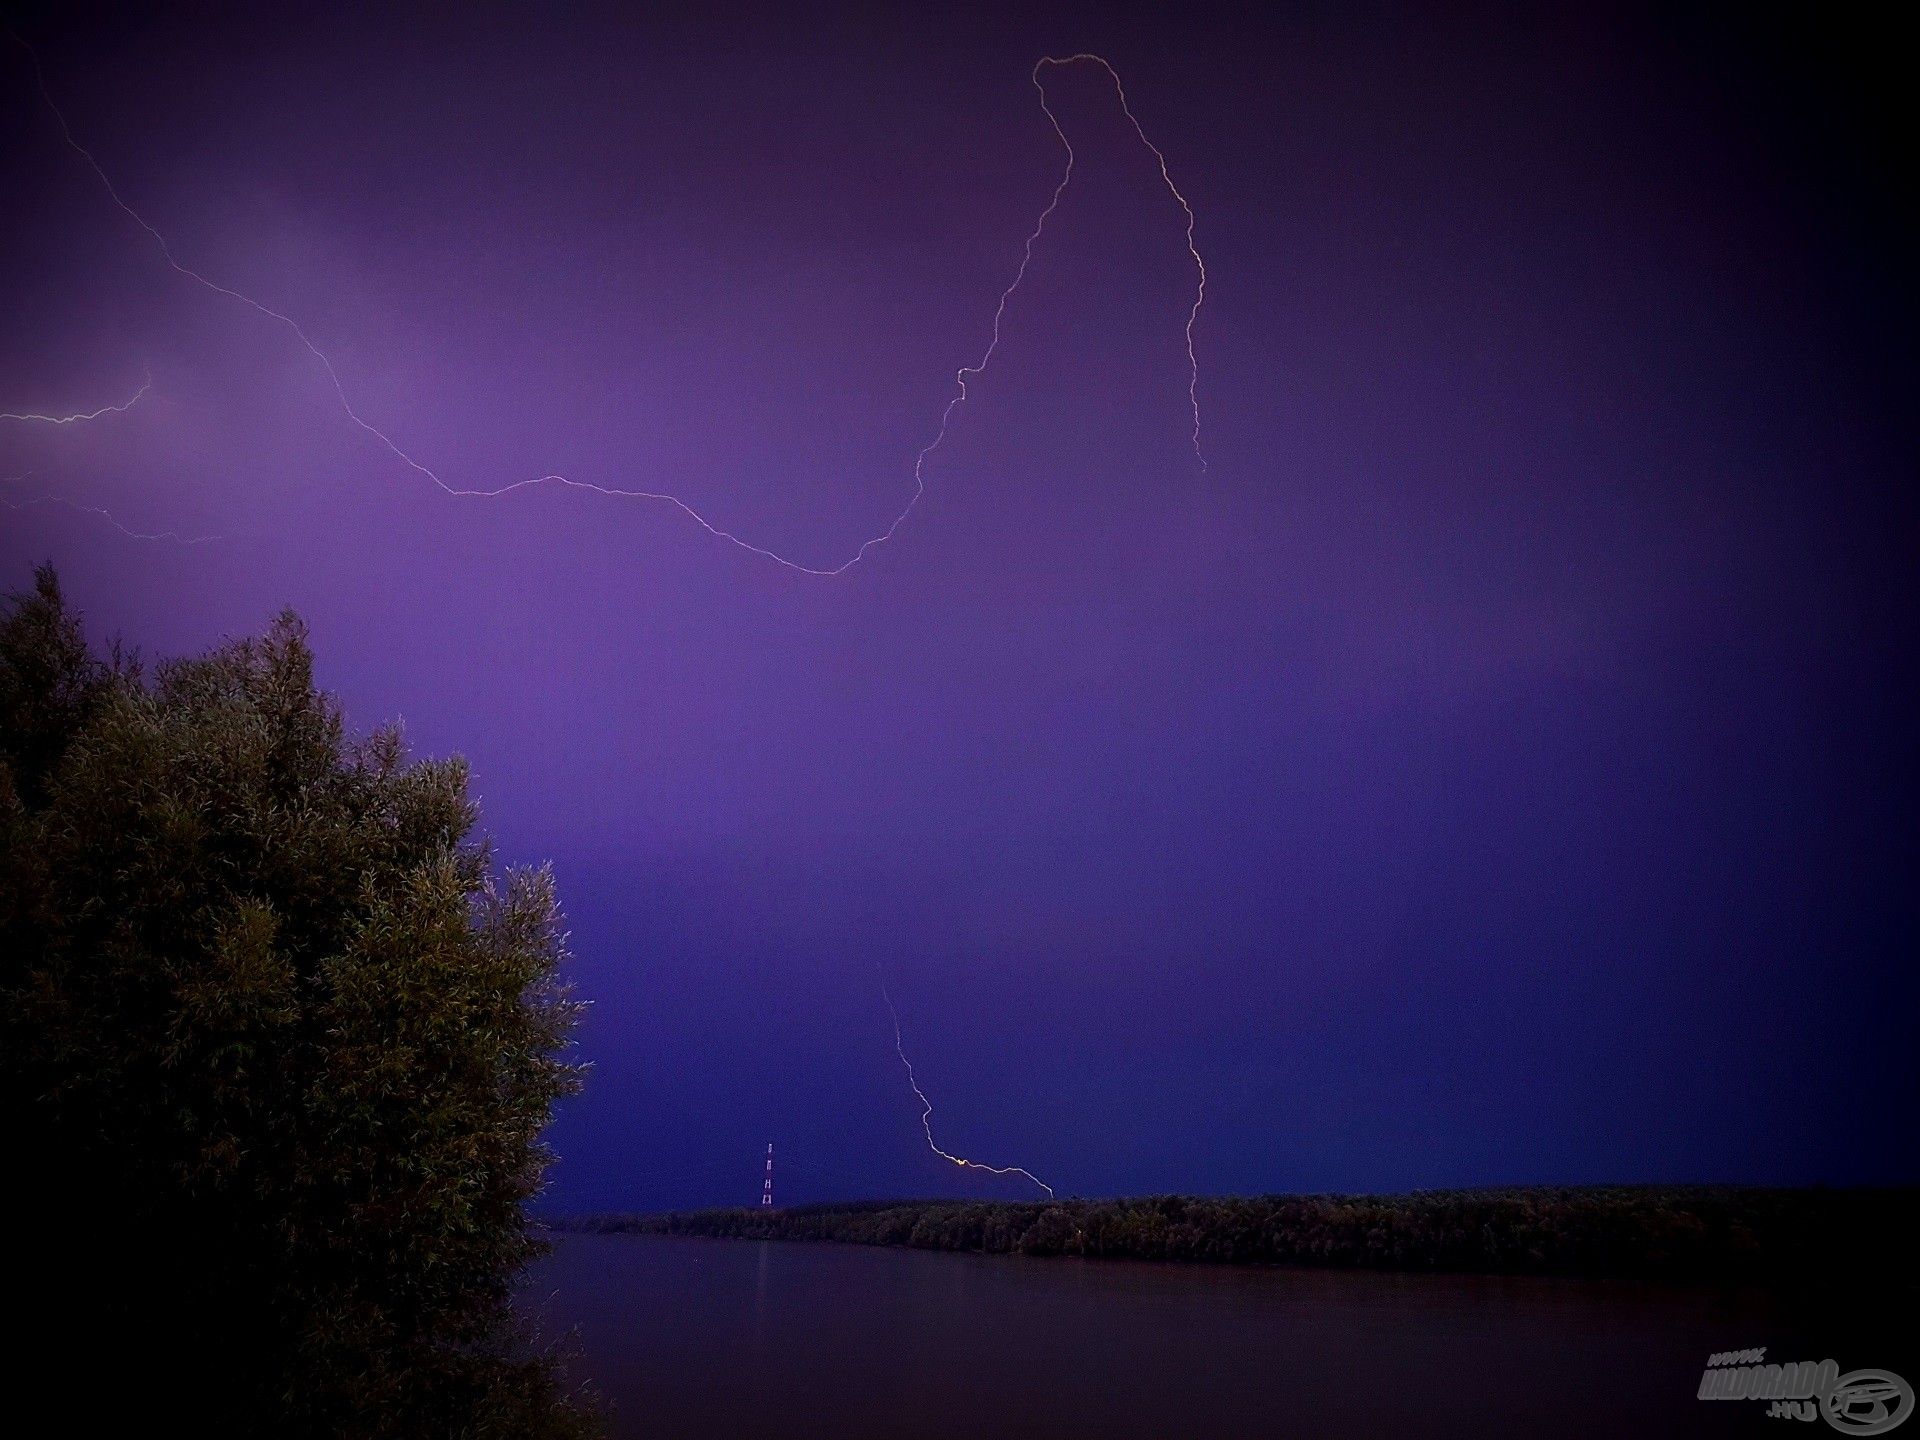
(1498, 766)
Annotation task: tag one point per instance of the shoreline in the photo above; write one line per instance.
(1776, 1238)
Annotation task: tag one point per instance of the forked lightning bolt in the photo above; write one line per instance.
(926, 1108)
(1199, 265)
(105, 515)
(961, 377)
(74, 419)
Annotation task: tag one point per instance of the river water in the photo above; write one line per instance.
(722, 1338)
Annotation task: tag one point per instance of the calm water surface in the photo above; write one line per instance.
(718, 1338)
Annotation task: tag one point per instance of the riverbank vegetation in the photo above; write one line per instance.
(1654, 1231)
(276, 1049)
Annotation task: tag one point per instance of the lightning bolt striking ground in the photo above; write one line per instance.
(961, 377)
(926, 1107)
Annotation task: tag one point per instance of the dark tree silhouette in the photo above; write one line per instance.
(275, 1049)
(1673, 1232)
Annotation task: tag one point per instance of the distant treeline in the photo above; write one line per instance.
(1695, 1232)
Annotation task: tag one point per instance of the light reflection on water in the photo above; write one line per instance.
(692, 1337)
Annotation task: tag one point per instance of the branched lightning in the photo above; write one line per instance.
(926, 1108)
(103, 514)
(29, 417)
(120, 409)
(961, 377)
(1199, 265)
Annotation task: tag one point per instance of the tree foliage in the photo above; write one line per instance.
(1657, 1231)
(276, 1049)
